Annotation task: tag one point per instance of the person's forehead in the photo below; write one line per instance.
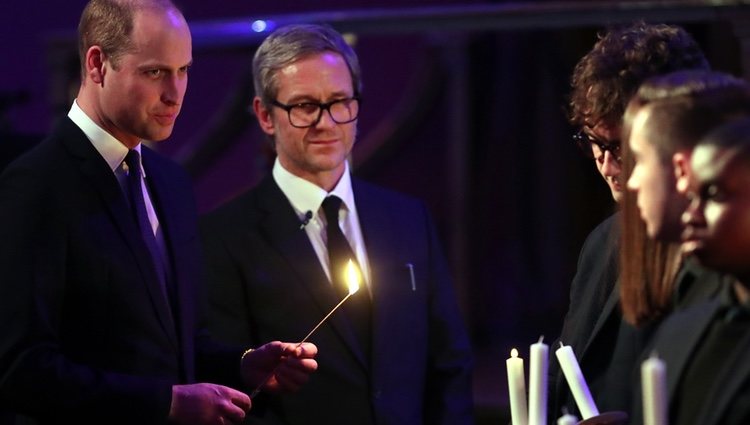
(638, 139)
(710, 162)
(317, 72)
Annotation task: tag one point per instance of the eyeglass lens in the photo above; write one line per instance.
(308, 114)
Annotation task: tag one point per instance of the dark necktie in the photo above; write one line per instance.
(357, 307)
(138, 206)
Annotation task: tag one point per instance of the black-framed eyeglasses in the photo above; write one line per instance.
(587, 143)
(308, 114)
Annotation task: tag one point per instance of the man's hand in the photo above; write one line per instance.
(286, 366)
(207, 404)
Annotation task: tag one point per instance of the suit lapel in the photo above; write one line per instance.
(686, 330)
(167, 211)
(281, 227)
(374, 216)
(100, 176)
(733, 376)
(607, 311)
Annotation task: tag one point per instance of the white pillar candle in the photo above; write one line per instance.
(538, 364)
(516, 389)
(567, 419)
(654, 385)
(576, 382)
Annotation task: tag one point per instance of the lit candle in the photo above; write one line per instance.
(516, 389)
(353, 278)
(538, 364)
(576, 382)
(654, 385)
(567, 419)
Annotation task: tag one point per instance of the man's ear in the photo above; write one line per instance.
(94, 64)
(681, 165)
(264, 116)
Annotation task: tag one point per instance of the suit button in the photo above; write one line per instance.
(377, 394)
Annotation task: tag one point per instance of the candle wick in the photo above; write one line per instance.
(541, 339)
(561, 344)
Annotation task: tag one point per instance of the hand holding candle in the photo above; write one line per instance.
(654, 384)
(538, 364)
(353, 279)
(576, 382)
(516, 389)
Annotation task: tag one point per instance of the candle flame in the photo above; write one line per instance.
(514, 353)
(353, 277)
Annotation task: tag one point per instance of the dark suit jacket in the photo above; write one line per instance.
(606, 347)
(677, 340)
(266, 283)
(679, 336)
(87, 336)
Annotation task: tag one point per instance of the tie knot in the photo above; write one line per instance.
(133, 160)
(331, 206)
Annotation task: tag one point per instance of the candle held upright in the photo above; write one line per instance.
(517, 389)
(538, 365)
(654, 385)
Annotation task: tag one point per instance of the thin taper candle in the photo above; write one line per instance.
(538, 365)
(576, 381)
(654, 384)
(517, 389)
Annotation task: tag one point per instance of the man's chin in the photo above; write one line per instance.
(616, 194)
(695, 248)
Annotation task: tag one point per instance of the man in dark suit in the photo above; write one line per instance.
(603, 82)
(396, 353)
(100, 258)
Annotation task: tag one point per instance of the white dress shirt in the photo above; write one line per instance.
(306, 196)
(114, 152)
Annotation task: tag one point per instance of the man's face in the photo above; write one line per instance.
(140, 100)
(318, 152)
(717, 221)
(607, 162)
(653, 180)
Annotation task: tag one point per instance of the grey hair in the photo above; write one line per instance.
(291, 43)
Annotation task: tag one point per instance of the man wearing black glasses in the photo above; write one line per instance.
(397, 351)
(603, 82)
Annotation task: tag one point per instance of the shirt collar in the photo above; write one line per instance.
(306, 196)
(111, 149)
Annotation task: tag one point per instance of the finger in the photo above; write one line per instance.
(291, 378)
(306, 350)
(304, 365)
(233, 412)
(239, 399)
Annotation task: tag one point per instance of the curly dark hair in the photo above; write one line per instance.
(606, 78)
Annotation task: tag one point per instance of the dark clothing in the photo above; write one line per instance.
(609, 349)
(606, 347)
(13, 145)
(267, 283)
(88, 336)
(706, 349)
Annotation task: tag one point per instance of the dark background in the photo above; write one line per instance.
(470, 119)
